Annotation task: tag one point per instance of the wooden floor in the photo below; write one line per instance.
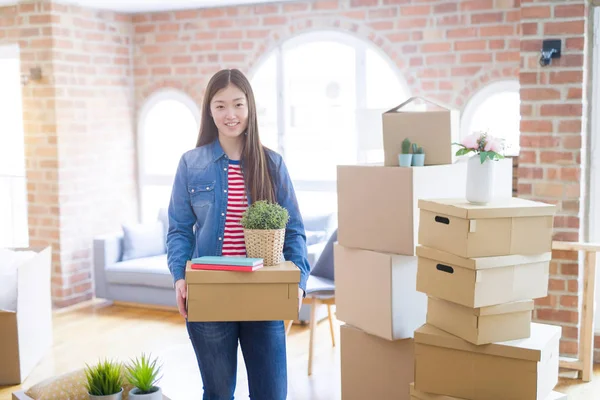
(99, 330)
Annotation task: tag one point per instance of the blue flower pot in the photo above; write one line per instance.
(405, 160)
(418, 160)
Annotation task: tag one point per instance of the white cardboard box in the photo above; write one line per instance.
(27, 332)
(376, 292)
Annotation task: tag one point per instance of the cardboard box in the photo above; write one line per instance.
(417, 395)
(267, 294)
(27, 331)
(481, 282)
(376, 292)
(383, 201)
(374, 368)
(431, 126)
(501, 323)
(504, 227)
(518, 369)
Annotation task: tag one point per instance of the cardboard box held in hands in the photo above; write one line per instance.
(432, 126)
(267, 294)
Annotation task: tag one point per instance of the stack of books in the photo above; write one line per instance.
(220, 263)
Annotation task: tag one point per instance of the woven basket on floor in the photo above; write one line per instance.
(266, 244)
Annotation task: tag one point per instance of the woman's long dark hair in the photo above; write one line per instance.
(255, 161)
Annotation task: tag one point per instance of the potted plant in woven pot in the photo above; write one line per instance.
(264, 231)
(104, 381)
(142, 374)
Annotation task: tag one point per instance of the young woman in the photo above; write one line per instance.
(214, 183)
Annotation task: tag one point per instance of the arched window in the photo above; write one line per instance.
(495, 108)
(320, 97)
(168, 127)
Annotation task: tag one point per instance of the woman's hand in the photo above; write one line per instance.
(181, 294)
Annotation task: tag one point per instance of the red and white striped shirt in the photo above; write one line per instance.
(233, 239)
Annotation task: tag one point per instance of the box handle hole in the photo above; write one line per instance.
(442, 220)
(445, 268)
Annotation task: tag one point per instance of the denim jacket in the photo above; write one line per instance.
(199, 203)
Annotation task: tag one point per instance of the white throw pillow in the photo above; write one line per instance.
(143, 240)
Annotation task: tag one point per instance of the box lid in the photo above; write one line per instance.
(530, 349)
(478, 263)
(506, 308)
(499, 208)
(285, 272)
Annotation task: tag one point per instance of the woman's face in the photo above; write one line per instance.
(229, 109)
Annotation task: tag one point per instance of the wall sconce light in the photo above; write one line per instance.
(35, 74)
(550, 50)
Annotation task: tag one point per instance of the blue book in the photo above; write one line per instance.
(216, 260)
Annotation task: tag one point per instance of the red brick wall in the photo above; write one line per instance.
(446, 50)
(79, 133)
(552, 145)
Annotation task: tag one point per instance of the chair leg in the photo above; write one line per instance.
(330, 317)
(288, 326)
(313, 317)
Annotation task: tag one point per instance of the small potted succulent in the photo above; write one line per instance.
(104, 381)
(405, 158)
(142, 374)
(418, 157)
(264, 231)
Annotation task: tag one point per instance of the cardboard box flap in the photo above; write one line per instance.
(430, 396)
(286, 272)
(506, 308)
(478, 263)
(429, 105)
(498, 208)
(524, 349)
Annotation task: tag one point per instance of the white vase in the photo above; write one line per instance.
(480, 180)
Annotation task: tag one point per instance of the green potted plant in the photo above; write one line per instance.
(418, 157)
(405, 158)
(142, 374)
(264, 231)
(104, 381)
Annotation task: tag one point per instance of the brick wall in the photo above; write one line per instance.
(80, 129)
(553, 115)
(445, 49)
(79, 125)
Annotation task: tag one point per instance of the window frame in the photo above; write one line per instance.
(155, 98)
(479, 97)
(594, 193)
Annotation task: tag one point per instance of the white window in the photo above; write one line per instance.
(320, 97)
(595, 174)
(168, 127)
(13, 187)
(495, 108)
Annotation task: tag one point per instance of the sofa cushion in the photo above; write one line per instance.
(143, 240)
(71, 385)
(146, 271)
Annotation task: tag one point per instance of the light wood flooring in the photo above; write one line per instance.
(98, 330)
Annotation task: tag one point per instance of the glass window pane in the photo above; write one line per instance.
(154, 197)
(170, 129)
(500, 115)
(320, 90)
(264, 85)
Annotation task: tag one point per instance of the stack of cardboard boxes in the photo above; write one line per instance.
(481, 267)
(375, 259)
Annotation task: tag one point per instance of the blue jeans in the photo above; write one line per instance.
(263, 347)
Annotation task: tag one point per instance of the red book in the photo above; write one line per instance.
(221, 267)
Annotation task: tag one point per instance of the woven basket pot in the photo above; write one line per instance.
(266, 244)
